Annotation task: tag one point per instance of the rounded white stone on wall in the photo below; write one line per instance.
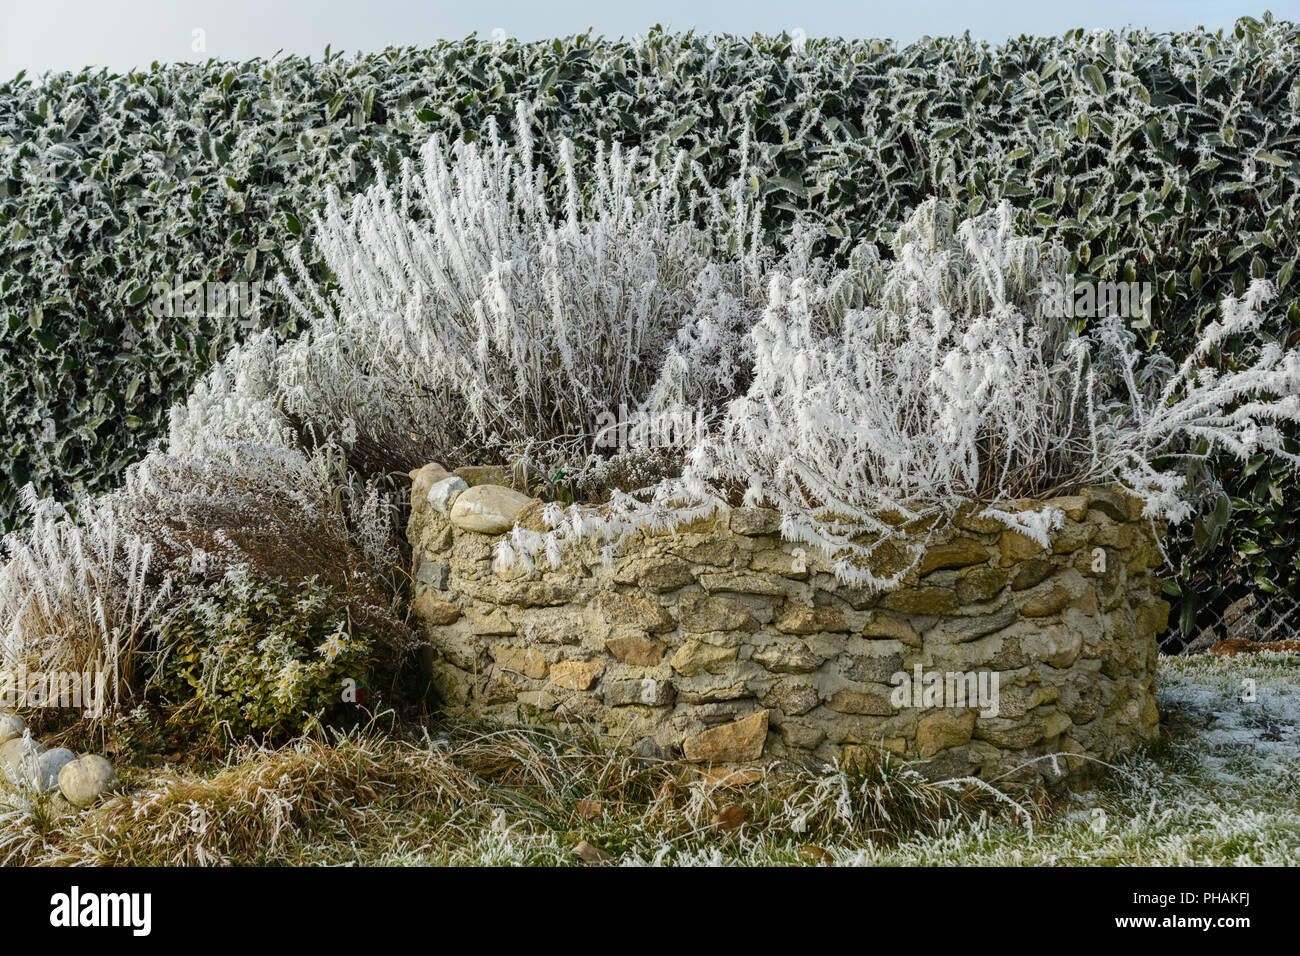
(488, 509)
(443, 493)
(423, 478)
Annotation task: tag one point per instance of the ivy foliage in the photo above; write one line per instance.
(1163, 158)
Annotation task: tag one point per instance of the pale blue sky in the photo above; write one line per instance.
(65, 34)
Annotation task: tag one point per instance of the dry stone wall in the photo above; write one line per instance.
(721, 643)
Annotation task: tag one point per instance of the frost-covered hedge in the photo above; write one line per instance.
(1168, 159)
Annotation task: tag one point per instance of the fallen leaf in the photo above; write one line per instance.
(592, 855)
(731, 778)
(729, 817)
(816, 854)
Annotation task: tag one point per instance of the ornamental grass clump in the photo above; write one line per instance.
(77, 594)
(94, 588)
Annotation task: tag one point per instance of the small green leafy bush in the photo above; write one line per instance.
(255, 659)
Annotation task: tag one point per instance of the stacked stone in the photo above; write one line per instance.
(721, 643)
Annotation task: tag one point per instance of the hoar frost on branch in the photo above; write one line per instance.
(471, 319)
(900, 391)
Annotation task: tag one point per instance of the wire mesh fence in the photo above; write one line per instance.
(1256, 618)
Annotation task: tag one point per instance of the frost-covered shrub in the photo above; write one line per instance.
(472, 320)
(84, 590)
(906, 389)
(237, 401)
(257, 658)
(77, 594)
(476, 321)
(945, 387)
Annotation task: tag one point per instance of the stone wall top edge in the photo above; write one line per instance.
(1113, 503)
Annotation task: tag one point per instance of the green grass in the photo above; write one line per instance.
(1222, 787)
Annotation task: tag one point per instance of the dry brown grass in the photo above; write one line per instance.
(476, 795)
